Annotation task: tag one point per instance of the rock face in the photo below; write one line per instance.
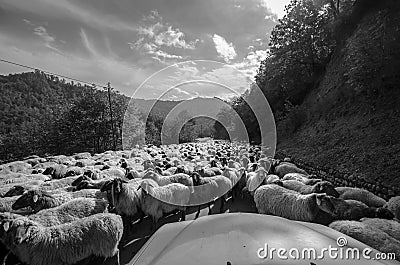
(352, 125)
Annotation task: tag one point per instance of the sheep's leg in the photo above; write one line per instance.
(5, 257)
(198, 212)
(118, 258)
(221, 210)
(183, 215)
(209, 208)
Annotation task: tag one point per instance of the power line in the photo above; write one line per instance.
(51, 73)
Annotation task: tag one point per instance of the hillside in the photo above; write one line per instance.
(352, 114)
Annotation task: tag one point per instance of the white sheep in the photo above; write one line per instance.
(368, 235)
(301, 177)
(390, 227)
(394, 206)
(181, 178)
(319, 187)
(256, 179)
(39, 200)
(64, 244)
(285, 167)
(125, 198)
(351, 209)
(157, 200)
(67, 212)
(276, 200)
(209, 189)
(370, 199)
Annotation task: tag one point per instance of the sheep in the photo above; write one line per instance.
(256, 179)
(156, 200)
(68, 212)
(284, 168)
(276, 200)
(15, 191)
(7, 202)
(34, 244)
(125, 198)
(368, 235)
(390, 227)
(351, 209)
(181, 178)
(302, 178)
(57, 184)
(39, 200)
(9, 189)
(394, 206)
(370, 199)
(56, 172)
(22, 178)
(320, 187)
(209, 189)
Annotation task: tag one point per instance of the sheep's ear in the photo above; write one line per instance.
(6, 226)
(35, 198)
(318, 199)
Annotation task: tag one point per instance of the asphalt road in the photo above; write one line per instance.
(141, 232)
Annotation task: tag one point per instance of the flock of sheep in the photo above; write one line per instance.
(65, 209)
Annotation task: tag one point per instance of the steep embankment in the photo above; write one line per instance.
(353, 114)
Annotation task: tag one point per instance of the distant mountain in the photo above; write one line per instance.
(209, 107)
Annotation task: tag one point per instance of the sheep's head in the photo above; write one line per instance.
(158, 170)
(83, 185)
(147, 185)
(325, 187)
(123, 163)
(15, 191)
(384, 213)
(333, 206)
(49, 171)
(78, 180)
(196, 178)
(21, 229)
(30, 198)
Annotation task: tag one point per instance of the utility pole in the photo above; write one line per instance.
(111, 115)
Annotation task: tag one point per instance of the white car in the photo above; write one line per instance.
(247, 239)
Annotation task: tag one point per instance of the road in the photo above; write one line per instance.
(141, 232)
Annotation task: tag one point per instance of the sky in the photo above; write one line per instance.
(127, 42)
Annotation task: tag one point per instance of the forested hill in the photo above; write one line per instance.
(332, 79)
(41, 114)
(44, 114)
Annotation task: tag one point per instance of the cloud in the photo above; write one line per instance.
(174, 38)
(155, 36)
(224, 49)
(251, 62)
(75, 10)
(275, 6)
(41, 31)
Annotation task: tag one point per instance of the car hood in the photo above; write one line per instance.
(236, 238)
